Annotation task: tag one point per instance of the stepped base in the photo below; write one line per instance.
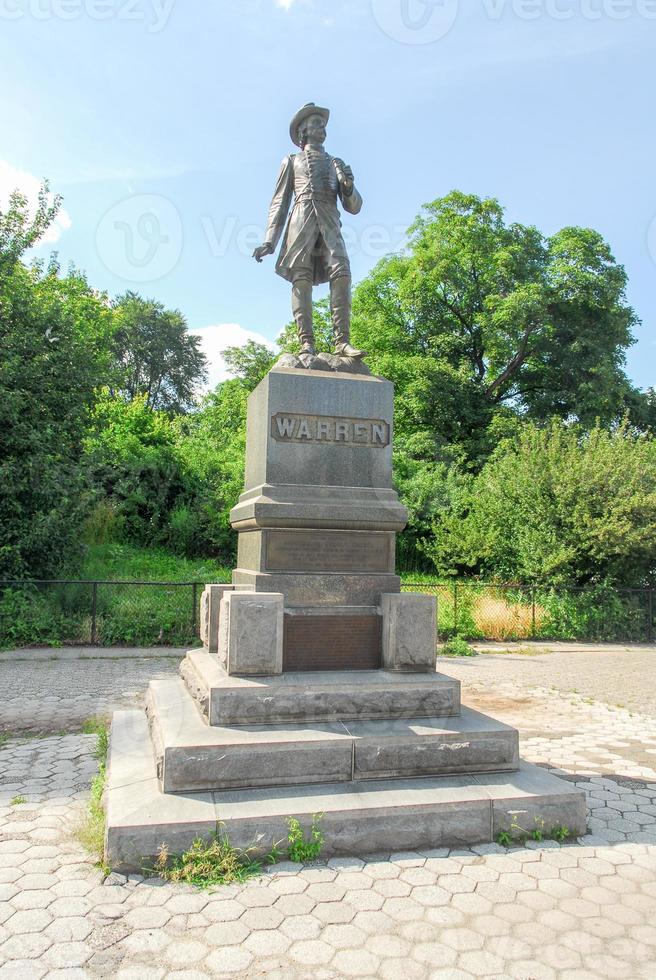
(299, 697)
(359, 817)
(192, 756)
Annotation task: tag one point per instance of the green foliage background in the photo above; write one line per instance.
(521, 451)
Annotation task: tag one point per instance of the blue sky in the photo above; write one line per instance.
(163, 123)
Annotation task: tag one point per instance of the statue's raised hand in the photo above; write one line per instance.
(262, 250)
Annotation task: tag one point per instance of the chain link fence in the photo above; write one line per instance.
(484, 611)
(99, 613)
(116, 613)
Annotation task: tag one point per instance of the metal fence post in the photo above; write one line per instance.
(650, 615)
(194, 615)
(533, 610)
(94, 611)
(455, 606)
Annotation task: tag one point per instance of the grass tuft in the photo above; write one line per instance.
(211, 863)
(91, 831)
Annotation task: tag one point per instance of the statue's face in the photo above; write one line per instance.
(314, 128)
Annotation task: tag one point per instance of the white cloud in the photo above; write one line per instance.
(216, 338)
(11, 179)
(285, 4)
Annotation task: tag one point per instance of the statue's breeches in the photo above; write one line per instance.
(313, 242)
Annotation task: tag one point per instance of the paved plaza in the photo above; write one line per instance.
(579, 911)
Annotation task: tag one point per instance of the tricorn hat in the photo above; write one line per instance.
(308, 110)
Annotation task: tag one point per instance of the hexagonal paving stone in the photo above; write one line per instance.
(229, 959)
(461, 939)
(147, 918)
(32, 920)
(181, 953)
(289, 905)
(430, 895)
(356, 963)
(311, 952)
(262, 918)
(343, 936)
(333, 912)
(67, 955)
(257, 896)
(301, 927)
(326, 892)
(267, 942)
(227, 933)
(146, 941)
(24, 946)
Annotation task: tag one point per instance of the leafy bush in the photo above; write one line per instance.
(299, 847)
(457, 647)
(29, 617)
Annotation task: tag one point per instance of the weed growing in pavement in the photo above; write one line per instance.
(458, 647)
(213, 862)
(299, 848)
(17, 800)
(98, 726)
(4, 738)
(517, 834)
(92, 830)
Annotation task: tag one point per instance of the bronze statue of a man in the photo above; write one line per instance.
(313, 249)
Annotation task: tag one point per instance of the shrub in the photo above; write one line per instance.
(457, 647)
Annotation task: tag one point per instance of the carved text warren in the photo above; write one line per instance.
(291, 427)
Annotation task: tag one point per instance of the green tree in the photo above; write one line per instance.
(483, 318)
(19, 231)
(155, 355)
(131, 461)
(54, 334)
(212, 443)
(249, 363)
(556, 504)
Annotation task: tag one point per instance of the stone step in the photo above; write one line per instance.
(360, 818)
(192, 755)
(300, 697)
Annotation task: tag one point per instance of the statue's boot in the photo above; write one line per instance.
(340, 308)
(302, 312)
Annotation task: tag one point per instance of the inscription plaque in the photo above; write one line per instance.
(331, 642)
(292, 427)
(329, 551)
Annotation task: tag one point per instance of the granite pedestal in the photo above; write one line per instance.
(316, 689)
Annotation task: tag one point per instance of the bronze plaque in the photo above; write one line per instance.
(331, 642)
(329, 551)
